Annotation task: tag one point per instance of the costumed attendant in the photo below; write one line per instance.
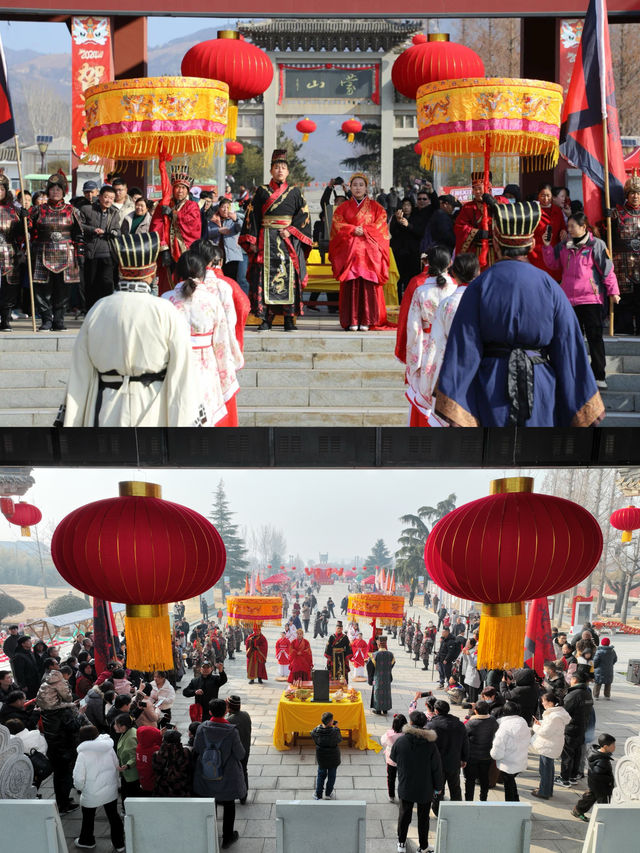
(464, 269)
(359, 659)
(515, 353)
(549, 231)
(10, 239)
(283, 646)
(587, 272)
(359, 253)
(426, 298)
(300, 659)
(383, 662)
(131, 363)
(58, 245)
(626, 258)
(276, 234)
(203, 314)
(178, 223)
(468, 224)
(257, 650)
(338, 653)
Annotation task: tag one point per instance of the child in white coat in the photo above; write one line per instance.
(96, 776)
(387, 740)
(548, 741)
(510, 748)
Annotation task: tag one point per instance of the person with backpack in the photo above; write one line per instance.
(218, 754)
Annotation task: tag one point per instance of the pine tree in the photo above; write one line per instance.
(222, 517)
(379, 556)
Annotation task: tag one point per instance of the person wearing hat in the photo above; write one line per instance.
(11, 234)
(338, 653)
(626, 258)
(58, 248)
(242, 721)
(131, 363)
(468, 225)
(276, 234)
(515, 353)
(359, 254)
(178, 224)
(257, 650)
(603, 663)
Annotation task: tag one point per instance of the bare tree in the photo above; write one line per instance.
(47, 112)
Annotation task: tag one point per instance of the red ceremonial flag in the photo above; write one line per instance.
(104, 634)
(7, 124)
(591, 99)
(538, 646)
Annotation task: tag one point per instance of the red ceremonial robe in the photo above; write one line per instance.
(185, 227)
(360, 652)
(257, 650)
(468, 223)
(300, 660)
(282, 651)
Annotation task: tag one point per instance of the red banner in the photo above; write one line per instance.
(91, 63)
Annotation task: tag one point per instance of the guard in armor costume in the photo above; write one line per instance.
(468, 224)
(58, 245)
(10, 231)
(626, 259)
(179, 224)
(277, 236)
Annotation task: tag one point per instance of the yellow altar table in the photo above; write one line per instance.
(321, 278)
(301, 717)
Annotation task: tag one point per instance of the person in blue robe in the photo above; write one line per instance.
(515, 355)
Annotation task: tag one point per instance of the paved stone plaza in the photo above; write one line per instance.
(289, 775)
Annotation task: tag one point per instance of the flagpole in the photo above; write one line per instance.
(607, 206)
(26, 236)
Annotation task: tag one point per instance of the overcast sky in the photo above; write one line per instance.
(342, 512)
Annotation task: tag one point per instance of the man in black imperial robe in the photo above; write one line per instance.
(338, 654)
(277, 236)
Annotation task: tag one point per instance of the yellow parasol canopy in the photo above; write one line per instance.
(149, 117)
(383, 609)
(497, 115)
(252, 609)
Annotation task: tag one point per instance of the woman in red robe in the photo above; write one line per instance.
(359, 254)
(257, 650)
(552, 217)
(300, 658)
(283, 646)
(360, 654)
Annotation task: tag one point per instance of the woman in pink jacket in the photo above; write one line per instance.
(587, 271)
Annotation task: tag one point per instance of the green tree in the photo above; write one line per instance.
(367, 139)
(410, 555)
(248, 169)
(222, 517)
(9, 606)
(379, 556)
(406, 167)
(297, 165)
(65, 604)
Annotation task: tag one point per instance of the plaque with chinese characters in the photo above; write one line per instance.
(332, 83)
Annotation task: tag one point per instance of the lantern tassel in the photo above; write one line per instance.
(26, 531)
(148, 633)
(231, 159)
(351, 137)
(305, 137)
(232, 120)
(502, 630)
(626, 535)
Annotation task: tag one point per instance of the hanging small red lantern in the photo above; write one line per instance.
(351, 126)
(245, 68)
(626, 519)
(305, 126)
(418, 148)
(142, 551)
(233, 149)
(429, 59)
(24, 515)
(506, 548)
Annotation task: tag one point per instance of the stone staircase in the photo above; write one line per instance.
(316, 376)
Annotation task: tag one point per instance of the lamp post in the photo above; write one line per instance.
(43, 143)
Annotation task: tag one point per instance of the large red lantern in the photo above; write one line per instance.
(243, 66)
(626, 519)
(142, 551)
(506, 548)
(431, 59)
(24, 515)
(351, 126)
(233, 149)
(305, 126)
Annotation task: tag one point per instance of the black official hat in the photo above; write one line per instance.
(137, 255)
(476, 177)
(279, 156)
(514, 224)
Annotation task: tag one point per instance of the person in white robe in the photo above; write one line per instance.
(131, 363)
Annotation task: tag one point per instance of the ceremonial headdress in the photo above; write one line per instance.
(632, 185)
(338, 624)
(57, 180)
(180, 175)
(137, 255)
(514, 224)
(279, 156)
(477, 177)
(359, 175)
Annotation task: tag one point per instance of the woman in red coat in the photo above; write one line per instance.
(552, 218)
(300, 658)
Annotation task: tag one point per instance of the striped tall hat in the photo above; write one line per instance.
(514, 224)
(137, 255)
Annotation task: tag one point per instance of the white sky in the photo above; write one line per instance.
(339, 511)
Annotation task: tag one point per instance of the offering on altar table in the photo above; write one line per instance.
(353, 695)
(338, 696)
(303, 694)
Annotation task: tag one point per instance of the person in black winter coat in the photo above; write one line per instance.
(420, 776)
(60, 728)
(481, 728)
(25, 667)
(453, 745)
(448, 651)
(206, 686)
(600, 776)
(578, 703)
(13, 709)
(522, 688)
(242, 721)
(327, 739)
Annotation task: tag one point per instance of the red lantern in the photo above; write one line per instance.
(233, 149)
(243, 66)
(305, 126)
(626, 519)
(506, 548)
(431, 59)
(23, 516)
(144, 552)
(351, 127)
(307, 571)
(418, 148)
